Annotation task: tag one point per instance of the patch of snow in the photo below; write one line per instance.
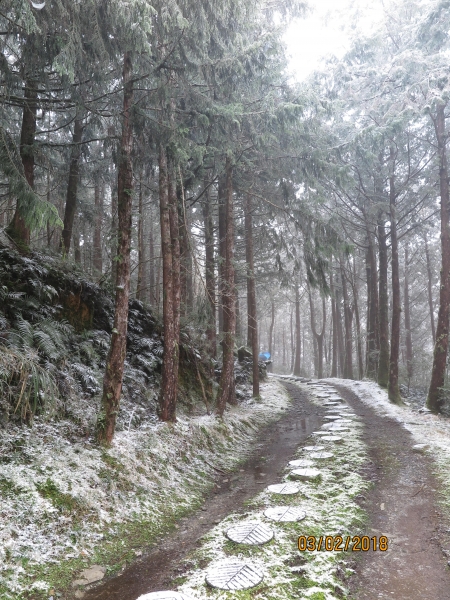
(59, 499)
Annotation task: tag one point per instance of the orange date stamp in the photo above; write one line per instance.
(337, 543)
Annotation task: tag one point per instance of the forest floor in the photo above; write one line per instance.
(379, 482)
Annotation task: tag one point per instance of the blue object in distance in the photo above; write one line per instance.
(264, 356)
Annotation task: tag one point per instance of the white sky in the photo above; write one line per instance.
(328, 29)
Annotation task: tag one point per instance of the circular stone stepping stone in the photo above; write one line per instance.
(337, 427)
(301, 462)
(333, 397)
(166, 595)
(305, 473)
(285, 513)
(320, 433)
(234, 575)
(313, 448)
(250, 533)
(332, 438)
(332, 417)
(321, 455)
(344, 421)
(284, 488)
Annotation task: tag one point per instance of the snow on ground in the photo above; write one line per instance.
(61, 501)
(331, 509)
(426, 428)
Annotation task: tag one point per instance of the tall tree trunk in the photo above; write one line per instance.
(271, 340)
(72, 186)
(169, 379)
(221, 192)
(18, 228)
(252, 323)
(297, 332)
(408, 336)
(237, 308)
(176, 280)
(76, 242)
(141, 283)
(393, 388)
(98, 219)
(334, 359)
(152, 280)
(383, 358)
(185, 254)
(373, 337)
(357, 323)
(318, 337)
(292, 342)
(252, 326)
(435, 399)
(210, 280)
(112, 381)
(226, 386)
(340, 333)
(430, 290)
(348, 317)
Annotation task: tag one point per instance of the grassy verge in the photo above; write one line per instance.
(65, 507)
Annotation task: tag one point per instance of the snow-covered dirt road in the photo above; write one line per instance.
(362, 485)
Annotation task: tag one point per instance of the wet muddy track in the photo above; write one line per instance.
(403, 505)
(162, 564)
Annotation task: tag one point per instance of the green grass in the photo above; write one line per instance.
(61, 501)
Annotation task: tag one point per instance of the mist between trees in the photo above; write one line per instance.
(164, 149)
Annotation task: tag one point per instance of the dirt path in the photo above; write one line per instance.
(403, 506)
(157, 569)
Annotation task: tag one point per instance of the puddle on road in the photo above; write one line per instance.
(160, 565)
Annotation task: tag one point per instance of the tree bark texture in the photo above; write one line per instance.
(318, 337)
(348, 318)
(169, 374)
(435, 397)
(152, 280)
(298, 338)
(112, 381)
(340, 334)
(393, 387)
(210, 280)
(383, 357)
(430, 290)
(186, 281)
(18, 228)
(408, 336)
(334, 359)
(357, 323)
(141, 278)
(271, 340)
(373, 337)
(226, 386)
(72, 187)
(252, 325)
(98, 219)
(221, 192)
